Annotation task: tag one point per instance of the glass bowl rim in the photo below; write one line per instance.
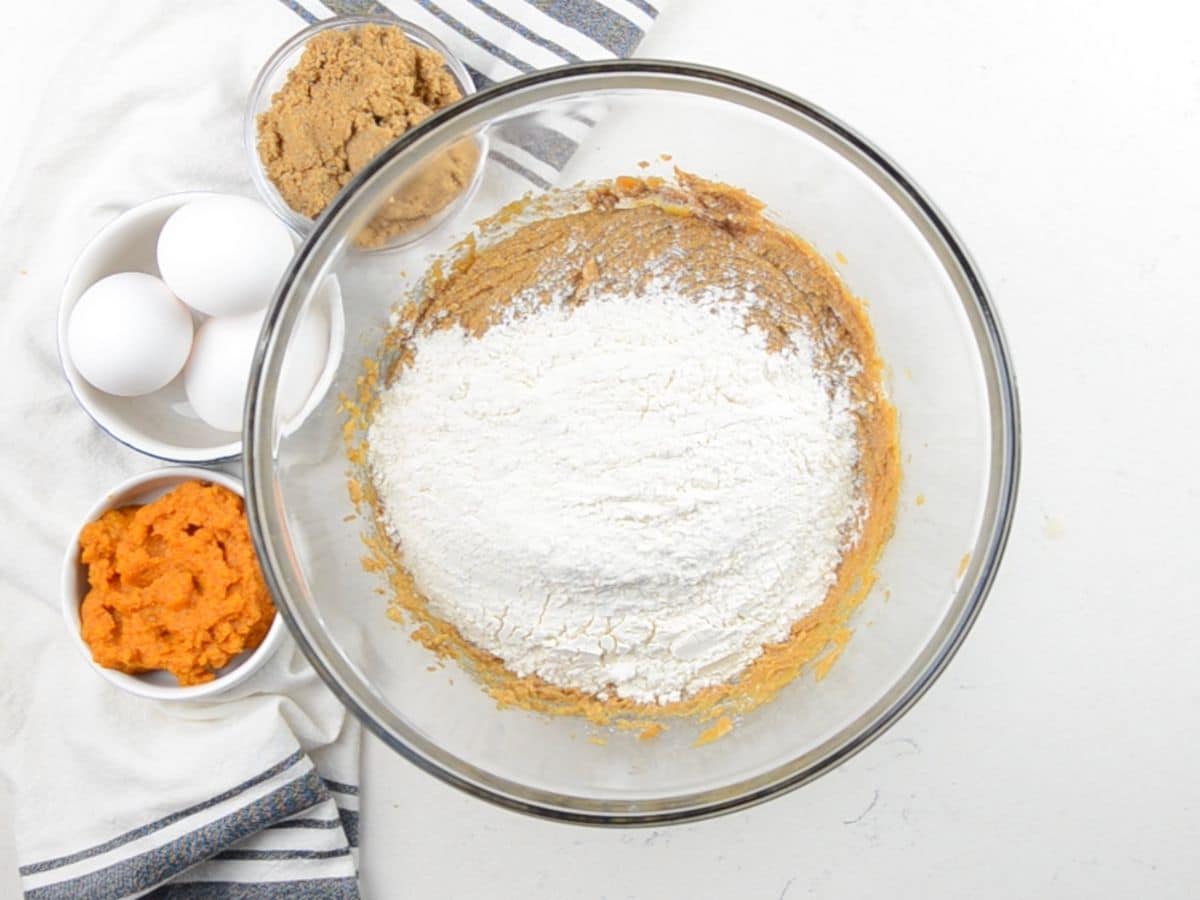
(913, 682)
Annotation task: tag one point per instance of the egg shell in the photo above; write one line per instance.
(224, 255)
(219, 369)
(128, 335)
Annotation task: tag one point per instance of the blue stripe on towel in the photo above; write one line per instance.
(349, 825)
(474, 37)
(306, 823)
(47, 865)
(358, 8)
(259, 855)
(512, 165)
(552, 147)
(481, 80)
(605, 26)
(315, 889)
(532, 37)
(645, 7)
(299, 10)
(580, 117)
(340, 787)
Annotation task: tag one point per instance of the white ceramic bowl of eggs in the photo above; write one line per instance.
(160, 316)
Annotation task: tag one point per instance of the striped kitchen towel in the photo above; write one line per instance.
(252, 795)
(500, 39)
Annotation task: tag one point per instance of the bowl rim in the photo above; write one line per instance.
(115, 427)
(270, 195)
(72, 589)
(913, 682)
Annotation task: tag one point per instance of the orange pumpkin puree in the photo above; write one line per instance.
(173, 584)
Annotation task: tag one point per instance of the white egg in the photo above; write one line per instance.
(129, 335)
(219, 369)
(216, 373)
(224, 255)
(305, 360)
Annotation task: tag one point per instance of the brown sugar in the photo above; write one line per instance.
(353, 92)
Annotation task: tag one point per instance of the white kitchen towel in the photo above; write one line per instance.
(253, 794)
(241, 790)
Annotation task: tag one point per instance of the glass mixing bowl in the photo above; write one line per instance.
(949, 378)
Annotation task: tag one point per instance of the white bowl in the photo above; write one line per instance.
(161, 424)
(159, 685)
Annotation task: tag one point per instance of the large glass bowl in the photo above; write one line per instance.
(949, 377)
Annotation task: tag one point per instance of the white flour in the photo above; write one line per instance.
(630, 497)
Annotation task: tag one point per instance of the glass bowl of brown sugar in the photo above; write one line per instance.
(334, 96)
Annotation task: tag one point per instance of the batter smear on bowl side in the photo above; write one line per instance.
(627, 454)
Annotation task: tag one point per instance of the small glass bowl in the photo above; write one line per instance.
(272, 77)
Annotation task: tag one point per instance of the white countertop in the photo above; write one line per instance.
(1056, 756)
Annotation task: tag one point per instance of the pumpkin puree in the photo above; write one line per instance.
(173, 584)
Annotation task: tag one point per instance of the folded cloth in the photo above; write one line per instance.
(254, 793)
(244, 789)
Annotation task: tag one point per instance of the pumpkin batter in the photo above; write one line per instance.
(609, 238)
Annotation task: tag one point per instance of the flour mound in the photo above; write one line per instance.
(630, 497)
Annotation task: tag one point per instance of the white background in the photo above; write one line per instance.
(1058, 755)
